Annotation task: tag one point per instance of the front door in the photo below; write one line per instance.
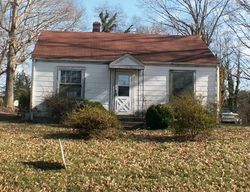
(123, 101)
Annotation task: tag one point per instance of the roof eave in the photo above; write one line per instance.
(109, 61)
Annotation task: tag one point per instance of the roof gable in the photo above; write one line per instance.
(126, 62)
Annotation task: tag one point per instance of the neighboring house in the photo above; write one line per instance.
(125, 72)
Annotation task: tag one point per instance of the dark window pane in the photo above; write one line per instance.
(123, 91)
(76, 77)
(73, 91)
(68, 76)
(182, 81)
(63, 76)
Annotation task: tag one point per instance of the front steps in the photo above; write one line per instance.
(132, 122)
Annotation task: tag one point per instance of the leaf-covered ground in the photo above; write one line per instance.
(142, 161)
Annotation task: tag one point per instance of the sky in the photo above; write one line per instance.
(129, 7)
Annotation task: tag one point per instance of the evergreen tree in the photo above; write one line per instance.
(22, 86)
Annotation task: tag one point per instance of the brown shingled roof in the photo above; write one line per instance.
(110, 46)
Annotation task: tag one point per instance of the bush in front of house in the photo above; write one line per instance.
(159, 116)
(58, 106)
(86, 103)
(93, 121)
(191, 117)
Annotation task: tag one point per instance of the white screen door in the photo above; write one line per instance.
(123, 104)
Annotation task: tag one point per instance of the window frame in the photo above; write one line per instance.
(66, 68)
(171, 96)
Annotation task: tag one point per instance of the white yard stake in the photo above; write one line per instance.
(63, 158)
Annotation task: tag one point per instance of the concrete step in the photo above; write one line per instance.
(133, 125)
(130, 118)
(132, 122)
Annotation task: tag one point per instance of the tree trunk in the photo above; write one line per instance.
(11, 59)
(10, 76)
(230, 92)
(222, 86)
(238, 75)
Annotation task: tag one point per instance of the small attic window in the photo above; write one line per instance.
(71, 82)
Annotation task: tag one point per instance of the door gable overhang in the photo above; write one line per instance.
(126, 61)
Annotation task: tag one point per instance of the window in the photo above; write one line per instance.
(71, 82)
(181, 81)
(123, 82)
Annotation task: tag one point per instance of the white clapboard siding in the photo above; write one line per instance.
(136, 95)
(97, 82)
(155, 85)
(157, 82)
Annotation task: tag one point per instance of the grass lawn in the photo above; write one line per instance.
(141, 161)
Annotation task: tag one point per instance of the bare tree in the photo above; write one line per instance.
(147, 28)
(3, 50)
(113, 19)
(108, 23)
(188, 17)
(240, 21)
(3, 40)
(245, 4)
(240, 25)
(233, 76)
(244, 106)
(230, 55)
(20, 24)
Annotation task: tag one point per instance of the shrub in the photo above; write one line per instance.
(85, 103)
(92, 121)
(24, 102)
(22, 85)
(59, 106)
(191, 117)
(159, 116)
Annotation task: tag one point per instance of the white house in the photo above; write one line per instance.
(125, 72)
